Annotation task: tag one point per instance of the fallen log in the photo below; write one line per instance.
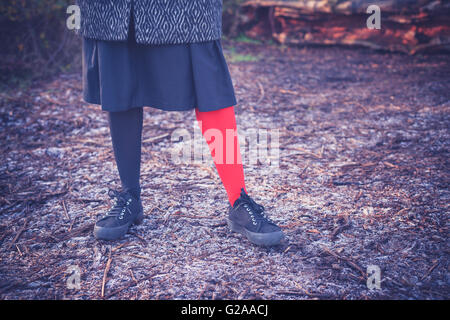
(406, 26)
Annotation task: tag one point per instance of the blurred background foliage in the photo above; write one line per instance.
(35, 42)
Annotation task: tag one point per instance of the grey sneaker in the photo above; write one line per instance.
(248, 218)
(126, 211)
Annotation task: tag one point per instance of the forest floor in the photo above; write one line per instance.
(362, 180)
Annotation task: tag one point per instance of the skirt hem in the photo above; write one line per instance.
(160, 106)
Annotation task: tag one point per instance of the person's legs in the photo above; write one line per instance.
(226, 153)
(245, 215)
(126, 135)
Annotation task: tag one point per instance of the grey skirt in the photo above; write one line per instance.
(120, 75)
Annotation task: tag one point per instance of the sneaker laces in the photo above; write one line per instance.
(120, 206)
(257, 213)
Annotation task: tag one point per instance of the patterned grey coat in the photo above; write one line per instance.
(156, 21)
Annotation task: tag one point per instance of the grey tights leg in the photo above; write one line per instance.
(126, 134)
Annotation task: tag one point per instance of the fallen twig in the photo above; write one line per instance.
(18, 233)
(105, 272)
(349, 262)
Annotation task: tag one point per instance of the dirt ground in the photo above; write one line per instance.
(363, 180)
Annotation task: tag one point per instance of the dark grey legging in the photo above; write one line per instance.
(126, 134)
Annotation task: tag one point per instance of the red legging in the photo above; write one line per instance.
(219, 129)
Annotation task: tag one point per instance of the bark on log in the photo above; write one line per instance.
(406, 25)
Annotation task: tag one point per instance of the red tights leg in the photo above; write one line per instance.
(219, 129)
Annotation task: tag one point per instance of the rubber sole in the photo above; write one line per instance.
(260, 239)
(103, 233)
